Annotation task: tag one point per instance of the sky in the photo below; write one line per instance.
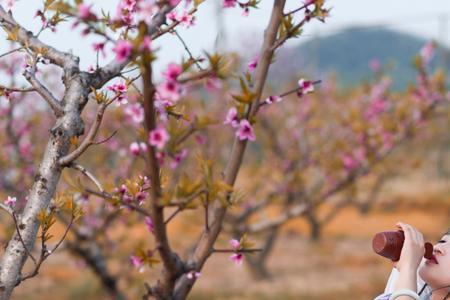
(430, 20)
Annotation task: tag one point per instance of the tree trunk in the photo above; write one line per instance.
(45, 183)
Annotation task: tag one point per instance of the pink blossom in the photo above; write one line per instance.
(237, 258)
(135, 149)
(136, 112)
(245, 131)
(140, 197)
(158, 137)
(186, 19)
(118, 88)
(161, 156)
(201, 140)
(229, 3)
(172, 72)
(172, 15)
(360, 154)
(99, 47)
(146, 44)
(273, 98)
(232, 117)
(84, 12)
(146, 10)
(123, 50)
(121, 190)
(129, 5)
(380, 88)
(178, 158)
(121, 100)
(169, 90)
(149, 223)
(145, 180)
(253, 64)
(306, 87)
(10, 3)
(10, 201)
(376, 107)
(25, 148)
(137, 263)
(193, 274)
(213, 84)
(349, 162)
(144, 149)
(235, 244)
(427, 52)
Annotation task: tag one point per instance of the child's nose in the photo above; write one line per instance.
(437, 249)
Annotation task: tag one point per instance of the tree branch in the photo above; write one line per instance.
(208, 237)
(172, 265)
(88, 140)
(112, 69)
(45, 93)
(27, 40)
(88, 175)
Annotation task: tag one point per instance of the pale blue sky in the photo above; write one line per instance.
(429, 19)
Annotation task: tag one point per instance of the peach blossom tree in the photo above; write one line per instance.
(150, 179)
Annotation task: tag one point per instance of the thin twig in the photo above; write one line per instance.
(45, 93)
(88, 175)
(21, 239)
(171, 26)
(105, 140)
(262, 103)
(236, 251)
(15, 89)
(8, 209)
(298, 9)
(10, 52)
(89, 139)
(188, 51)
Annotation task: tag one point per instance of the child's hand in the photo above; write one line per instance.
(413, 248)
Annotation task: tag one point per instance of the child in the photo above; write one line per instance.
(415, 277)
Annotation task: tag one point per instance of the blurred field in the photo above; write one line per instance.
(340, 266)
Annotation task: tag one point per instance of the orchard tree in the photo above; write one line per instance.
(326, 145)
(162, 126)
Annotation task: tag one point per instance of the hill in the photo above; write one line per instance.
(347, 55)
